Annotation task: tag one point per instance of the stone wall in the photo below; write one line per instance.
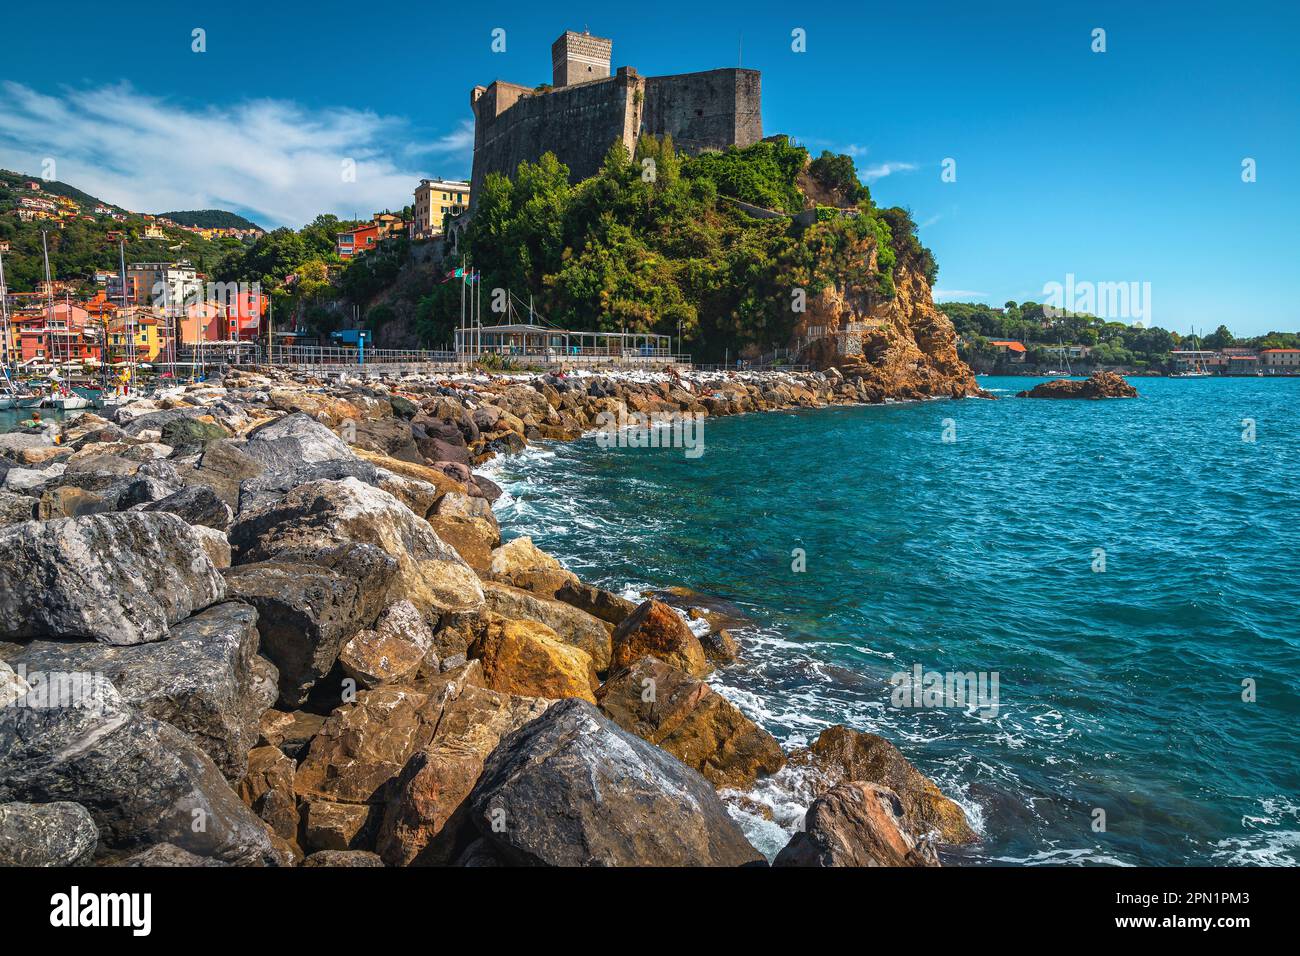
(709, 110)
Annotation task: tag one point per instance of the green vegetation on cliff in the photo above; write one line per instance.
(209, 219)
(654, 243)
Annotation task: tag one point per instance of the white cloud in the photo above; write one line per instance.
(879, 171)
(273, 160)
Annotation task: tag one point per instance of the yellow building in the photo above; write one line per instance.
(148, 339)
(435, 201)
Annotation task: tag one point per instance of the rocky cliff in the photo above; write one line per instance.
(899, 347)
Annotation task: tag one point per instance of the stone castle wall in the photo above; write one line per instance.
(709, 110)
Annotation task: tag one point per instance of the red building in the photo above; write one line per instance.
(357, 240)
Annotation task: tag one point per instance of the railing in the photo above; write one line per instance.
(334, 357)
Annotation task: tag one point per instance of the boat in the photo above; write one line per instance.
(70, 402)
(1198, 369)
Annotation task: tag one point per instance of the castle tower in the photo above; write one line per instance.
(578, 57)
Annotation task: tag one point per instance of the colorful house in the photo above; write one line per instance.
(356, 241)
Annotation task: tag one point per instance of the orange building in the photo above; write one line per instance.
(357, 240)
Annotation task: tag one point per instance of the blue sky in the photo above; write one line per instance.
(1122, 166)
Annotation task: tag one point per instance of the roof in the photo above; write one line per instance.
(1012, 346)
(1267, 351)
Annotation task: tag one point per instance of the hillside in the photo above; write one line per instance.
(209, 219)
(673, 251)
(82, 233)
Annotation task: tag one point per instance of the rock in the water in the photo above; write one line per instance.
(1099, 385)
(529, 659)
(572, 788)
(307, 612)
(719, 646)
(855, 824)
(322, 514)
(690, 720)
(571, 625)
(197, 504)
(655, 629)
(46, 834)
(200, 679)
(115, 578)
(142, 780)
(842, 755)
(393, 651)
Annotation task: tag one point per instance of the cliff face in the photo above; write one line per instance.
(901, 347)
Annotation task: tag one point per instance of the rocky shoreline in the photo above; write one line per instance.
(271, 621)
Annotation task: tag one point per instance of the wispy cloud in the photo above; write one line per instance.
(957, 295)
(273, 160)
(870, 174)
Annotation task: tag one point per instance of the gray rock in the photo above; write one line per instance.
(115, 578)
(343, 858)
(167, 854)
(16, 508)
(12, 685)
(142, 780)
(202, 679)
(222, 467)
(197, 504)
(297, 439)
(46, 834)
(572, 788)
(13, 442)
(272, 485)
(309, 610)
(33, 480)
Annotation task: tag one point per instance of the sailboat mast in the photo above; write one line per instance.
(49, 303)
(4, 330)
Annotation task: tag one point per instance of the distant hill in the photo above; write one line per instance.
(83, 237)
(209, 219)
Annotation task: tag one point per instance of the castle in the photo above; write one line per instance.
(586, 109)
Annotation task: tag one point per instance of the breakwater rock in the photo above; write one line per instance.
(283, 607)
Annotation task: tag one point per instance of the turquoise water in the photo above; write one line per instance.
(1119, 690)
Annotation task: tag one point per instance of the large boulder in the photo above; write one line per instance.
(202, 679)
(856, 824)
(267, 790)
(308, 611)
(16, 508)
(529, 659)
(656, 630)
(570, 624)
(472, 538)
(606, 605)
(523, 565)
(197, 504)
(427, 821)
(46, 834)
(573, 788)
(323, 514)
(346, 776)
(693, 722)
(840, 755)
(116, 578)
(273, 484)
(394, 650)
(292, 441)
(142, 780)
(222, 467)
